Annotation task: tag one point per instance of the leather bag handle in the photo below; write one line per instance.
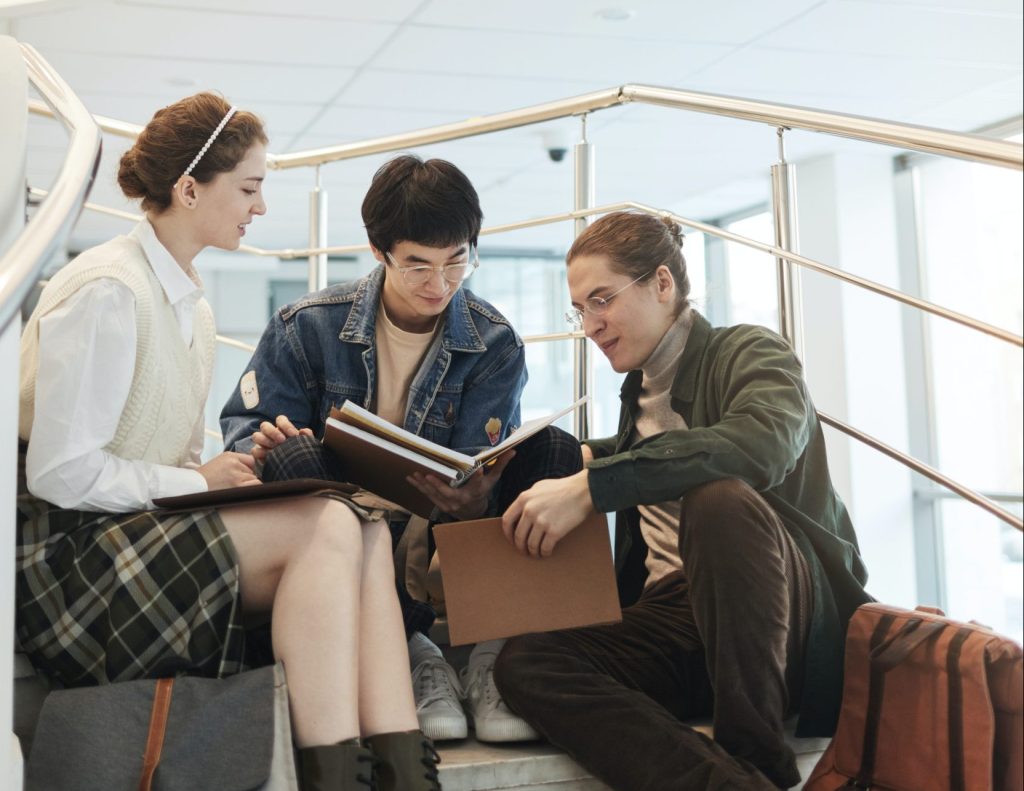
(902, 644)
(885, 654)
(157, 730)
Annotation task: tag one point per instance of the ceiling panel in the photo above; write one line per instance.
(514, 54)
(380, 11)
(465, 94)
(1010, 7)
(905, 31)
(172, 78)
(176, 33)
(859, 84)
(733, 21)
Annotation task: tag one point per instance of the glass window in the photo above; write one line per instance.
(970, 248)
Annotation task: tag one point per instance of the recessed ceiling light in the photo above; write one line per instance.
(17, 3)
(615, 14)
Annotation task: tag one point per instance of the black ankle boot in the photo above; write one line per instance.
(406, 761)
(347, 766)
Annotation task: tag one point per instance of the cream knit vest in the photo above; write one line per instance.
(170, 382)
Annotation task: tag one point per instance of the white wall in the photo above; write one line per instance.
(854, 354)
(13, 124)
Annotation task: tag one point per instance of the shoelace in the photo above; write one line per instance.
(481, 678)
(435, 680)
(430, 760)
(374, 762)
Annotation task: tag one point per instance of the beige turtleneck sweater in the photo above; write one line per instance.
(659, 522)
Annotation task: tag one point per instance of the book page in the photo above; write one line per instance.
(354, 415)
(525, 431)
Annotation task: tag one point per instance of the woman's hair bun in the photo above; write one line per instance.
(128, 178)
(674, 230)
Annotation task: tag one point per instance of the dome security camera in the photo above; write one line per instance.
(556, 143)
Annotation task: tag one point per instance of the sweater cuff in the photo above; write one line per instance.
(174, 481)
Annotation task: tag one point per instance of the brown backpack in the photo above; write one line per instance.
(928, 704)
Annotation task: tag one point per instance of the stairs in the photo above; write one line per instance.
(468, 765)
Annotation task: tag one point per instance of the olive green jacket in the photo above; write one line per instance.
(750, 417)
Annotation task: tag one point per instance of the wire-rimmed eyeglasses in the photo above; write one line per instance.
(453, 273)
(597, 305)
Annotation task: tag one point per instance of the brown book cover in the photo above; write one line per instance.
(492, 590)
(382, 468)
(378, 455)
(239, 495)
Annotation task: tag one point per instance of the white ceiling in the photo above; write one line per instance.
(328, 71)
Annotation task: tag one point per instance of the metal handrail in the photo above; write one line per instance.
(929, 472)
(871, 130)
(936, 141)
(857, 127)
(711, 230)
(52, 222)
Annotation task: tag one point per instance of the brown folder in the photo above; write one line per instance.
(492, 590)
(240, 495)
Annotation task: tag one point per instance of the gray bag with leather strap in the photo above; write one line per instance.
(181, 734)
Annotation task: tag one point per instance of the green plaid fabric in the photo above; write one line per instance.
(114, 597)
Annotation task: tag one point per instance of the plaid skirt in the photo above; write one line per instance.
(114, 597)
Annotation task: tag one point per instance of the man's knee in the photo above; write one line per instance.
(519, 669)
(718, 512)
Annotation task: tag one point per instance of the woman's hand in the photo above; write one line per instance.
(587, 451)
(546, 512)
(468, 501)
(270, 435)
(229, 469)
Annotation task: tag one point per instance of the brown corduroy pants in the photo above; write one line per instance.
(725, 637)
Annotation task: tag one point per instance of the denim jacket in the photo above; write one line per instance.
(321, 351)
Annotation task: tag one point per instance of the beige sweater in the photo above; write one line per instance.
(659, 522)
(171, 381)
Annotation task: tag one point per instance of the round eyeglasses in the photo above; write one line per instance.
(453, 273)
(597, 305)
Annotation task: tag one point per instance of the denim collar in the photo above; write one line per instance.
(458, 332)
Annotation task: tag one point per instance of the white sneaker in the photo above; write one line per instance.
(491, 718)
(438, 706)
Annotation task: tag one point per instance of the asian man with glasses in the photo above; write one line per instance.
(409, 342)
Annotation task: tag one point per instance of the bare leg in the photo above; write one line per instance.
(385, 694)
(302, 561)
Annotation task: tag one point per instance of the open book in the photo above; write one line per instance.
(378, 455)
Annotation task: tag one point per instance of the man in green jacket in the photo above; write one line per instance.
(738, 565)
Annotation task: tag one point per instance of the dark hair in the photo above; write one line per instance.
(636, 244)
(430, 203)
(171, 140)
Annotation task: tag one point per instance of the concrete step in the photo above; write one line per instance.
(469, 765)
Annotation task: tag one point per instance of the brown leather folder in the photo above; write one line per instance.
(240, 495)
(492, 590)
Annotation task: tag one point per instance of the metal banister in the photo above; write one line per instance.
(52, 223)
(710, 230)
(871, 130)
(935, 141)
(927, 471)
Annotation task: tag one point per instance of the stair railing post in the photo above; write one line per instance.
(784, 216)
(582, 365)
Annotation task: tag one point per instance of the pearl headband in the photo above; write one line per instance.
(209, 142)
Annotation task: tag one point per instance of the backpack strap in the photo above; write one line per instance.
(157, 729)
(956, 710)
(876, 686)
